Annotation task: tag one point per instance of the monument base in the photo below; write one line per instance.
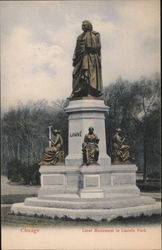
(91, 193)
(88, 192)
(92, 214)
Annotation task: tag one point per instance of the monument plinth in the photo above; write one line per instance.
(83, 114)
(88, 192)
(93, 192)
(87, 186)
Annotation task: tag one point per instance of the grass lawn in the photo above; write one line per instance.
(9, 188)
(12, 192)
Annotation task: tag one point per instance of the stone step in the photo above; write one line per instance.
(90, 204)
(76, 197)
(93, 214)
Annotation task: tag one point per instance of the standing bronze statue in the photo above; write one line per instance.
(121, 152)
(54, 153)
(87, 78)
(90, 148)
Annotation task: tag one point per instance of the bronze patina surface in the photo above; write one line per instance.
(90, 148)
(87, 78)
(55, 153)
(121, 152)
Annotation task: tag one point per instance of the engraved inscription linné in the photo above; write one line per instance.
(76, 134)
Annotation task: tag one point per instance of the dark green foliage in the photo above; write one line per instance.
(18, 171)
(149, 186)
(25, 132)
(14, 170)
(135, 108)
(35, 175)
(154, 175)
(30, 174)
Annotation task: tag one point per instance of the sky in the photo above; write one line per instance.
(38, 39)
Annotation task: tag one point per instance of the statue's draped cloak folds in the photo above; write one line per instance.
(87, 63)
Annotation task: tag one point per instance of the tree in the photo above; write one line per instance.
(25, 131)
(146, 99)
(135, 108)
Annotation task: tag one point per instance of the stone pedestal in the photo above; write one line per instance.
(91, 181)
(58, 179)
(95, 192)
(83, 114)
(91, 185)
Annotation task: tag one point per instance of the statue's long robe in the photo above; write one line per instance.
(87, 64)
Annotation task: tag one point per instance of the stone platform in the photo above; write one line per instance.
(96, 214)
(93, 192)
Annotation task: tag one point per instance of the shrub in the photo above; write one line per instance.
(14, 170)
(35, 175)
(154, 175)
(26, 173)
(18, 171)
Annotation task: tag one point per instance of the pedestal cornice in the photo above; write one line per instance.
(86, 105)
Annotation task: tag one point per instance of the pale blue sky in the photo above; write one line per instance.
(38, 39)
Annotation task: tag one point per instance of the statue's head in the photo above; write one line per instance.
(87, 26)
(118, 130)
(55, 131)
(91, 129)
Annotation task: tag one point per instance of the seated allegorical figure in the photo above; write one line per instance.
(121, 152)
(90, 148)
(55, 153)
